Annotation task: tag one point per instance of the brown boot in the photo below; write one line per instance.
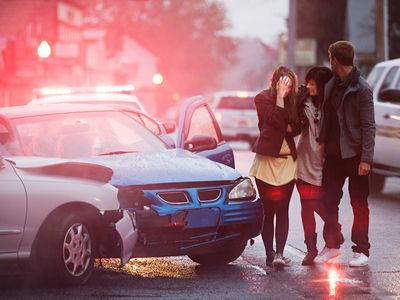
(312, 252)
(308, 260)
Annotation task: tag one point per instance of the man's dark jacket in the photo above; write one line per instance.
(272, 123)
(356, 119)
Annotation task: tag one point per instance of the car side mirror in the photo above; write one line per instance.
(200, 143)
(390, 95)
(169, 127)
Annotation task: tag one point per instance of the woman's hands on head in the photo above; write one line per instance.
(282, 89)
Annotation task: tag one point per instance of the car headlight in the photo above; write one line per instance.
(243, 191)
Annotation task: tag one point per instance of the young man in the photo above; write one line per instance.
(348, 135)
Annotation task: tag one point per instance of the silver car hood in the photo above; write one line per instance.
(62, 167)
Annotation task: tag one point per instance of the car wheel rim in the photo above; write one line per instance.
(77, 249)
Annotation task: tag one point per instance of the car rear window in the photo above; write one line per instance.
(232, 102)
(374, 76)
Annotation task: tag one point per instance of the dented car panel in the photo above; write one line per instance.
(36, 195)
(127, 230)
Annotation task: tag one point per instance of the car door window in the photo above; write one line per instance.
(202, 124)
(389, 78)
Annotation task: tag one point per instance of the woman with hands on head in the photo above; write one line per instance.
(274, 166)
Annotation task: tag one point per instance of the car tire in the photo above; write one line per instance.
(230, 252)
(376, 183)
(67, 251)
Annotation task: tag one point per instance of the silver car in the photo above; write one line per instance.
(57, 216)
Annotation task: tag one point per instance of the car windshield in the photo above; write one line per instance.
(83, 134)
(232, 102)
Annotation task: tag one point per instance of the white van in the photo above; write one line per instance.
(384, 79)
(236, 114)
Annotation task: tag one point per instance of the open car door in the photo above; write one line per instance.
(199, 132)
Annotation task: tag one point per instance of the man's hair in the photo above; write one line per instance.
(343, 51)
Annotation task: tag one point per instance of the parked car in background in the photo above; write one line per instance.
(385, 82)
(116, 95)
(57, 216)
(187, 200)
(120, 97)
(236, 114)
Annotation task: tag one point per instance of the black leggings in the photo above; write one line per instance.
(311, 202)
(276, 202)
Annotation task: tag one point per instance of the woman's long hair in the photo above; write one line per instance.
(291, 98)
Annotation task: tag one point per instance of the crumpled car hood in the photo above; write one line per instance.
(175, 165)
(63, 167)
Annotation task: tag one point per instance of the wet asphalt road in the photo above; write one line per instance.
(248, 277)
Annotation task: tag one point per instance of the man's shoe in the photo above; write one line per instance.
(308, 260)
(326, 255)
(359, 260)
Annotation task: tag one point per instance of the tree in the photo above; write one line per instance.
(186, 35)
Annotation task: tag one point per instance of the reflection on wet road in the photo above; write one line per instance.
(180, 278)
(248, 277)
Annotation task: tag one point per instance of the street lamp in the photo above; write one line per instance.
(158, 79)
(44, 49)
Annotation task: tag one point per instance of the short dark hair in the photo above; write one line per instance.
(321, 75)
(343, 51)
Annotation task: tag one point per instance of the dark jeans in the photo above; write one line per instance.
(276, 203)
(311, 202)
(335, 171)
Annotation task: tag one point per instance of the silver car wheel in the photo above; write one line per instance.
(77, 249)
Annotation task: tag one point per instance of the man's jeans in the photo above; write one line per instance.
(335, 171)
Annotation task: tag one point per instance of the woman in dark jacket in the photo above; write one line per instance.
(274, 166)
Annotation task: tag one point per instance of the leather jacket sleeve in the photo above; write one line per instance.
(269, 114)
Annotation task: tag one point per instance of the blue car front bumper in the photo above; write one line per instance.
(190, 226)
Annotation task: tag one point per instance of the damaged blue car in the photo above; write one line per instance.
(186, 197)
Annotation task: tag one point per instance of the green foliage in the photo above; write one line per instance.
(186, 36)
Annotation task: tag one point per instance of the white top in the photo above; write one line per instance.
(309, 151)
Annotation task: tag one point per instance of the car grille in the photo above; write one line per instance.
(174, 197)
(209, 195)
